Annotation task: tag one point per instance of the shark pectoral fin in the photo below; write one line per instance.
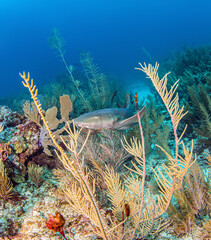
(130, 121)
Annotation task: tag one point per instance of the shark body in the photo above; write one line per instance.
(109, 118)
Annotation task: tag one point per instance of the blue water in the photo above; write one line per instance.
(114, 31)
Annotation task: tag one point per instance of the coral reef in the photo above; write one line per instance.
(132, 215)
(55, 178)
(193, 67)
(9, 118)
(200, 112)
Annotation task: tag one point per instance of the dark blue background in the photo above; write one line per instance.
(114, 31)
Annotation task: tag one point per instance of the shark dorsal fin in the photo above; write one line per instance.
(112, 98)
(127, 100)
(118, 105)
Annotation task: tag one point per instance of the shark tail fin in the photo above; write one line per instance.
(132, 120)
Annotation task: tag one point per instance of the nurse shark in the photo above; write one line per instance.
(109, 118)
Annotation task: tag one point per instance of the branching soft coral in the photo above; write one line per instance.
(57, 42)
(97, 82)
(193, 200)
(6, 186)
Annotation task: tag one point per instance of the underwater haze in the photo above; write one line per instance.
(118, 33)
(99, 146)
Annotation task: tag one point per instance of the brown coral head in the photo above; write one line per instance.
(56, 223)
